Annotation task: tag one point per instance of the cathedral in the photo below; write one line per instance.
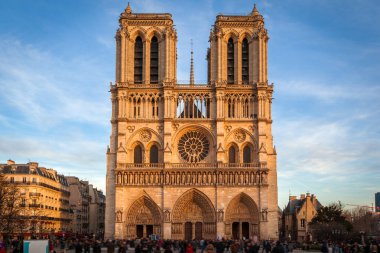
(191, 161)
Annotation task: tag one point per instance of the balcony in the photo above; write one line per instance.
(198, 174)
(213, 166)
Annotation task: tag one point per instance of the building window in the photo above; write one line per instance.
(34, 180)
(247, 154)
(230, 62)
(302, 223)
(245, 108)
(154, 108)
(24, 179)
(232, 155)
(137, 108)
(231, 108)
(138, 154)
(138, 60)
(153, 154)
(12, 179)
(244, 61)
(154, 60)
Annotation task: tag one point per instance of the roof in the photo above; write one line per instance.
(295, 205)
(32, 169)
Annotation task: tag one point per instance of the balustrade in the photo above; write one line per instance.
(201, 174)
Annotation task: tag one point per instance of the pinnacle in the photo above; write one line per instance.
(128, 10)
(255, 12)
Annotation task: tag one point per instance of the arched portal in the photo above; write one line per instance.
(193, 217)
(242, 217)
(143, 218)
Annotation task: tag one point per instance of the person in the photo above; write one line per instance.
(267, 247)
(374, 247)
(209, 248)
(168, 249)
(278, 248)
(110, 246)
(324, 248)
(122, 248)
(96, 248)
(2, 247)
(189, 248)
(78, 247)
(86, 247)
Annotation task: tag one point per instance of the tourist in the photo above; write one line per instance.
(189, 248)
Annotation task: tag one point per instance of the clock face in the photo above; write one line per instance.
(193, 146)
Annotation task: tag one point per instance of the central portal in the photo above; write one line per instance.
(193, 217)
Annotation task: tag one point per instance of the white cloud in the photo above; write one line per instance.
(46, 90)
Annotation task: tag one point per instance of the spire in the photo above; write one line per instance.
(191, 65)
(128, 10)
(255, 12)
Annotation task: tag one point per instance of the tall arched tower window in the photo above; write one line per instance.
(137, 154)
(244, 61)
(232, 155)
(247, 157)
(230, 62)
(153, 154)
(154, 60)
(138, 60)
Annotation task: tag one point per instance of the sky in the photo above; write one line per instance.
(57, 59)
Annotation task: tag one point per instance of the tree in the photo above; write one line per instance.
(10, 206)
(330, 223)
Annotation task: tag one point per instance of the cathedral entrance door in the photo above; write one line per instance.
(149, 230)
(236, 230)
(188, 231)
(198, 230)
(245, 230)
(140, 231)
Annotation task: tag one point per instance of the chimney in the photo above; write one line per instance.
(308, 194)
(302, 196)
(292, 198)
(10, 162)
(33, 165)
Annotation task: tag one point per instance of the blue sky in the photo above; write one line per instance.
(57, 59)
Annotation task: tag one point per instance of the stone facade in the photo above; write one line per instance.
(97, 211)
(196, 160)
(44, 198)
(79, 204)
(297, 215)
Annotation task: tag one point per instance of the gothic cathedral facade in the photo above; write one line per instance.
(191, 160)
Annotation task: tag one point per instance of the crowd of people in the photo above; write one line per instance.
(145, 245)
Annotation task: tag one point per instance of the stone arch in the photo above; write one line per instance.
(159, 147)
(154, 31)
(146, 213)
(138, 31)
(155, 136)
(193, 207)
(245, 34)
(235, 159)
(249, 137)
(253, 152)
(242, 210)
(232, 33)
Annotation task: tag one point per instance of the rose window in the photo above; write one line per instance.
(193, 146)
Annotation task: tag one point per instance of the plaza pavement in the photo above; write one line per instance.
(132, 250)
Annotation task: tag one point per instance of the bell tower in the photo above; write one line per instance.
(237, 62)
(145, 48)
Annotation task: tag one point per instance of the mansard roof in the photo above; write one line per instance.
(295, 205)
(32, 169)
